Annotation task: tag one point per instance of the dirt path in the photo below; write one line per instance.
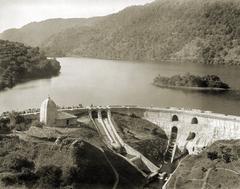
(205, 178)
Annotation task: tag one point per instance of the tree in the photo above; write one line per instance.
(49, 175)
(17, 162)
(212, 155)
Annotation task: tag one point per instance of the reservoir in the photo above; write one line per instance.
(110, 82)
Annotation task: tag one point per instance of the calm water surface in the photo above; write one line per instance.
(103, 82)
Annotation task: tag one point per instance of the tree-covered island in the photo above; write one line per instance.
(19, 63)
(188, 81)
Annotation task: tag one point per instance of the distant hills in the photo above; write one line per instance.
(37, 32)
(202, 31)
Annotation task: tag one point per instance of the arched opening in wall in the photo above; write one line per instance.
(174, 130)
(194, 120)
(191, 136)
(174, 118)
(94, 114)
(104, 114)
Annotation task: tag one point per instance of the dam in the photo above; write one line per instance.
(189, 131)
(196, 129)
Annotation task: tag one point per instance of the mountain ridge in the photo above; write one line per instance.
(200, 31)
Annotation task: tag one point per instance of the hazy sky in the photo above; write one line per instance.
(16, 13)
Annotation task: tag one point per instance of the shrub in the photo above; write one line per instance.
(9, 180)
(212, 155)
(19, 119)
(21, 127)
(227, 157)
(49, 176)
(37, 123)
(134, 115)
(26, 177)
(17, 162)
(73, 175)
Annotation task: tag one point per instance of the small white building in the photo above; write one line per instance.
(50, 116)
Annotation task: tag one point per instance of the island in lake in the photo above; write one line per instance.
(189, 81)
(20, 63)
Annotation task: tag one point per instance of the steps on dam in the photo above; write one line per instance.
(170, 152)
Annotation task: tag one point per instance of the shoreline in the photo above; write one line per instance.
(25, 80)
(146, 61)
(191, 88)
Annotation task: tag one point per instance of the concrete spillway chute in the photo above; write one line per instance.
(171, 149)
(104, 123)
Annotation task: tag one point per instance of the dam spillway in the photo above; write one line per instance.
(102, 120)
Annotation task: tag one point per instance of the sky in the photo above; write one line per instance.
(16, 13)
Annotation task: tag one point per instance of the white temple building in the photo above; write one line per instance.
(50, 116)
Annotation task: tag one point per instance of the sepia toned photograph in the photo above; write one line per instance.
(119, 94)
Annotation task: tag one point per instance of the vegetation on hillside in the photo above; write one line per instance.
(42, 165)
(35, 33)
(218, 166)
(182, 30)
(142, 135)
(19, 62)
(188, 80)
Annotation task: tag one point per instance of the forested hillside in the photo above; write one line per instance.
(19, 62)
(203, 31)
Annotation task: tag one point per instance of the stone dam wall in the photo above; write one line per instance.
(205, 126)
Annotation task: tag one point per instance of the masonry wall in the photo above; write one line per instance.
(208, 128)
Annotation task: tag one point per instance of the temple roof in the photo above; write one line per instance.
(48, 103)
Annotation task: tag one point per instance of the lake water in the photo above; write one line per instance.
(104, 82)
